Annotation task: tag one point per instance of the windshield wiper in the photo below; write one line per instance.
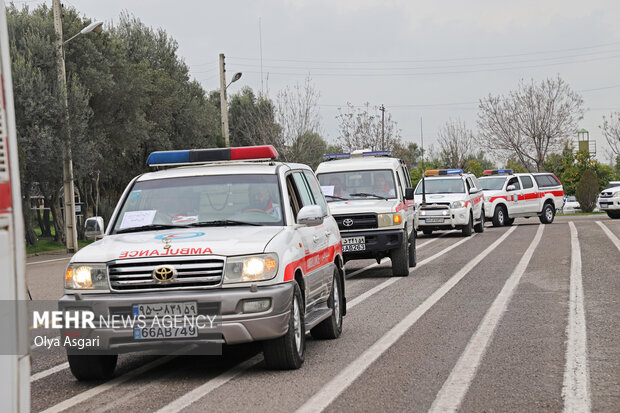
(149, 228)
(337, 197)
(221, 222)
(367, 194)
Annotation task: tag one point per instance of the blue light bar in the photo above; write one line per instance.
(454, 171)
(377, 153)
(212, 155)
(168, 157)
(497, 171)
(329, 156)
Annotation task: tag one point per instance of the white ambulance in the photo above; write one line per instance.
(449, 199)
(371, 198)
(508, 196)
(231, 229)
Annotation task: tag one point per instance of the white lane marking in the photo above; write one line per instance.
(576, 386)
(42, 374)
(330, 391)
(455, 387)
(43, 262)
(610, 234)
(81, 397)
(391, 281)
(199, 392)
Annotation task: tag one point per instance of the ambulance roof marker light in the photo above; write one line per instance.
(355, 154)
(197, 156)
(438, 172)
(331, 156)
(497, 172)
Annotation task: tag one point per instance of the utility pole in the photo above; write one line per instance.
(223, 102)
(382, 109)
(67, 161)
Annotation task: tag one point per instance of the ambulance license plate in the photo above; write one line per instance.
(353, 244)
(433, 220)
(187, 308)
(162, 333)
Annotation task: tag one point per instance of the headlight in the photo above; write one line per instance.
(458, 204)
(251, 268)
(387, 220)
(615, 194)
(86, 277)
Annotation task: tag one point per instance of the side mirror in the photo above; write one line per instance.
(310, 215)
(408, 194)
(93, 228)
(511, 188)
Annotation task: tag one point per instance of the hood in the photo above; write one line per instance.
(235, 240)
(360, 206)
(440, 198)
(611, 189)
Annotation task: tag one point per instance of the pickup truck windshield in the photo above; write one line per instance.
(217, 200)
(441, 186)
(377, 184)
(492, 184)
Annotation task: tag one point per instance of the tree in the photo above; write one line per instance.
(530, 122)
(298, 116)
(455, 144)
(252, 119)
(411, 154)
(360, 128)
(587, 191)
(611, 131)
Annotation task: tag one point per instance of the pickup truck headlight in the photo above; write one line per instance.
(615, 194)
(249, 268)
(458, 204)
(387, 220)
(86, 277)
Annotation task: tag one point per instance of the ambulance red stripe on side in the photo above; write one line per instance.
(504, 197)
(6, 200)
(312, 261)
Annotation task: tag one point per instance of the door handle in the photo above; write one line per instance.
(328, 233)
(315, 238)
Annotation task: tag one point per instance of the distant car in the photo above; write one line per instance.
(571, 205)
(609, 201)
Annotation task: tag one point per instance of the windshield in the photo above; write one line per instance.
(441, 186)
(492, 184)
(201, 200)
(358, 184)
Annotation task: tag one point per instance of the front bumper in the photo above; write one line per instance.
(609, 204)
(435, 219)
(234, 326)
(378, 243)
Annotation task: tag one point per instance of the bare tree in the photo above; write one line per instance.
(529, 123)
(360, 128)
(456, 143)
(298, 116)
(611, 131)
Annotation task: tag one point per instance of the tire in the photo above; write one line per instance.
(509, 221)
(548, 213)
(479, 228)
(427, 231)
(499, 216)
(413, 256)
(468, 229)
(400, 258)
(287, 352)
(92, 367)
(331, 327)
(613, 214)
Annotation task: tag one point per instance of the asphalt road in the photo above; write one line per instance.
(522, 318)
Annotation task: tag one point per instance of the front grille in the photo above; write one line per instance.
(192, 272)
(436, 205)
(365, 221)
(606, 194)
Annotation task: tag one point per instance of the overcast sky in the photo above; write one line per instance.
(421, 59)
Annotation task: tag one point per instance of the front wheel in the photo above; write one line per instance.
(479, 228)
(287, 352)
(548, 214)
(331, 327)
(413, 257)
(468, 229)
(92, 366)
(499, 216)
(509, 221)
(400, 258)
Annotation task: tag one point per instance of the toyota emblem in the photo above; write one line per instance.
(164, 274)
(347, 222)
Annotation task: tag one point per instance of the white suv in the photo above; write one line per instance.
(449, 199)
(371, 198)
(609, 201)
(233, 233)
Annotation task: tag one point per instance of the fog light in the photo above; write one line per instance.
(256, 305)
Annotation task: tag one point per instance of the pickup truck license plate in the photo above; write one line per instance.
(433, 220)
(188, 308)
(353, 244)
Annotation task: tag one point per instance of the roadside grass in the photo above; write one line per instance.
(47, 244)
(581, 213)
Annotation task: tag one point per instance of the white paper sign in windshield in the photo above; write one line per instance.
(133, 219)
